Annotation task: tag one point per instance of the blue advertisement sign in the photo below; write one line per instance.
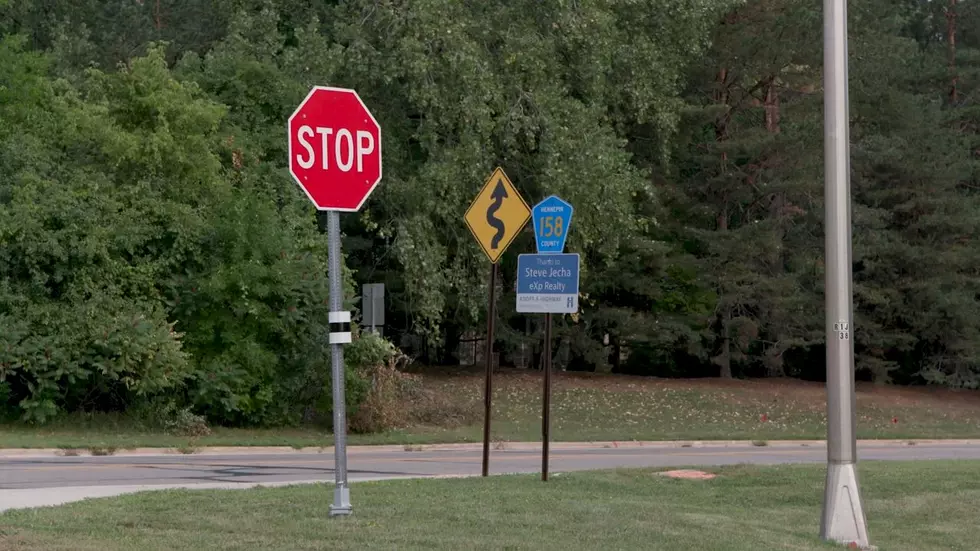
(547, 283)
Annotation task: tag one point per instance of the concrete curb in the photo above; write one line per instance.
(52, 497)
(27, 453)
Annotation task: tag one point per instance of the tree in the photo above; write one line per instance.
(517, 85)
(132, 218)
(750, 182)
(79, 309)
(915, 274)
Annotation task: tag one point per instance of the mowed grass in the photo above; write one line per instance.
(585, 407)
(911, 506)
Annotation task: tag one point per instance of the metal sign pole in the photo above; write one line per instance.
(546, 401)
(339, 335)
(327, 179)
(488, 384)
(843, 518)
(495, 218)
(552, 218)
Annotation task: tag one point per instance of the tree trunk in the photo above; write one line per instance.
(721, 96)
(156, 16)
(721, 134)
(772, 106)
(951, 42)
(615, 349)
(726, 349)
(779, 204)
(450, 352)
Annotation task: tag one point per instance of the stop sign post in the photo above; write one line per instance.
(335, 156)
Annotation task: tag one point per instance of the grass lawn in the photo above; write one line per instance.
(584, 408)
(913, 506)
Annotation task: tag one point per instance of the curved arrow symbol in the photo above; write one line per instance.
(498, 196)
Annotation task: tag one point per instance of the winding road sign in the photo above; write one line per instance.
(497, 215)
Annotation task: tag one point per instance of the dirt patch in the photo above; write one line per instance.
(686, 474)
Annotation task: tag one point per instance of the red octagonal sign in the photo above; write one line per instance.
(335, 149)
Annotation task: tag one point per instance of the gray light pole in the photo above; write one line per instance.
(843, 517)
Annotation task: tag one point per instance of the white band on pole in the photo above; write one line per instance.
(339, 327)
(339, 317)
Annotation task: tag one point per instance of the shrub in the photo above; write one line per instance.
(166, 414)
(7, 409)
(358, 356)
(443, 410)
(376, 361)
(104, 353)
(184, 422)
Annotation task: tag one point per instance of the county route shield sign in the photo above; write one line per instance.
(552, 218)
(497, 215)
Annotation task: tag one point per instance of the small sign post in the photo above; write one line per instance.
(496, 216)
(548, 282)
(373, 307)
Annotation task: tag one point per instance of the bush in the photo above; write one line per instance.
(184, 422)
(442, 410)
(376, 361)
(101, 354)
(7, 409)
(165, 414)
(116, 226)
(357, 380)
(94, 217)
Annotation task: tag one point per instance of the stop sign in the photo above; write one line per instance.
(335, 149)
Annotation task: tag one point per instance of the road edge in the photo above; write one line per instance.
(28, 453)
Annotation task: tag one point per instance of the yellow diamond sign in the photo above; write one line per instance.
(497, 215)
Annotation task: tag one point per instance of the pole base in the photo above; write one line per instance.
(341, 502)
(843, 519)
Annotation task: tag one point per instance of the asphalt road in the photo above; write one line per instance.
(31, 481)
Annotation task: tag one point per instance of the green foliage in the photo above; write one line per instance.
(370, 363)
(382, 388)
(121, 224)
(8, 410)
(163, 413)
(101, 349)
(79, 322)
(370, 350)
(542, 88)
(752, 182)
(153, 245)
